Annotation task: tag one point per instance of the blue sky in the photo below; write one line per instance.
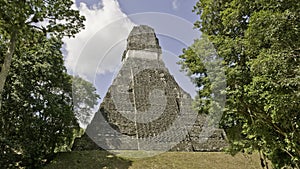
(95, 53)
(182, 8)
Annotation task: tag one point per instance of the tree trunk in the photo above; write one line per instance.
(6, 64)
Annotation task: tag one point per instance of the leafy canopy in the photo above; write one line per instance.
(36, 108)
(260, 47)
(20, 20)
(37, 115)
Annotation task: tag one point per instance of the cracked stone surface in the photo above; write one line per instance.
(145, 108)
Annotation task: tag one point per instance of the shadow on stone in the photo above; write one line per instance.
(145, 108)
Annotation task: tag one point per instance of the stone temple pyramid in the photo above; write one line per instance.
(145, 108)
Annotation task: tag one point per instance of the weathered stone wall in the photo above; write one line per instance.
(142, 38)
(145, 101)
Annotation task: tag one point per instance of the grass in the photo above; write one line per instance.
(88, 160)
(168, 160)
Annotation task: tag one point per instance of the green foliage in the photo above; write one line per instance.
(37, 115)
(204, 66)
(21, 19)
(22, 16)
(83, 143)
(259, 43)
(39, 99)
(193, 62)
(84, 100)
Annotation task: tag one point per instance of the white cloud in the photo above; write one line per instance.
(101, 43)
(175, 4)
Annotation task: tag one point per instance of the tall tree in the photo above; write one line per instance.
(19, 20)
(259, 43)
(38, 115)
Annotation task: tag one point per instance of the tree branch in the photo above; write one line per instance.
(6, 64)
